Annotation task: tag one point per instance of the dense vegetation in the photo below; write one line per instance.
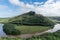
(55, 18)
(12, 29)
(31, 29)
(47, 36)
(31, 18)
(4, 20)
(28, 23)
(9, 29)
(8, 38)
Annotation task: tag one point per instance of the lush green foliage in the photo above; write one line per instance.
(31, 29)
(12, 29)
(4, 20)
(31, 18)
(7, 38)
(55, 18)
(47, 36)
(9, 29)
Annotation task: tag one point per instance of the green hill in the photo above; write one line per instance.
(31, 18)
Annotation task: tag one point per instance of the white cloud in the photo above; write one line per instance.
(49, 2)
(5, 11)
(38, 3)
(30, 6)
(17, 2)
(50, 7)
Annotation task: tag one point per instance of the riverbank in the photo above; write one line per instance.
(34, 32)
(25, 30)
(28, 35)
(56, 28)
(2, 33)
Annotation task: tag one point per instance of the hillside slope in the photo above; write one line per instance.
(31, 18)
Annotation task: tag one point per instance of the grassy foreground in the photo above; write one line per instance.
(47, 36)
(6, 38)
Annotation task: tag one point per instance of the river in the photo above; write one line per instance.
(2, 34)
(56, 28)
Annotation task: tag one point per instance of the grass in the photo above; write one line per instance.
(47, 36)
(4, 20)
(24, 29)
(31, 29)
(7, 38)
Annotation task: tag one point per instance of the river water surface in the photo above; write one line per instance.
(56, 28)
(2, 34)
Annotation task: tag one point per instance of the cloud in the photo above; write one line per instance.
(38, 3)
(17, 2)
(5, 11)
(21, 4)
(49, 8)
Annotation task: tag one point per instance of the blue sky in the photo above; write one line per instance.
(28, 1)
(11, 8)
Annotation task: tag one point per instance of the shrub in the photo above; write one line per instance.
(9, 29)
(31, 13)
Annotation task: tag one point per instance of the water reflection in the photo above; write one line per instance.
(56, 28)
(2, 34)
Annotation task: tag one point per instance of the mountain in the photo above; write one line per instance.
(31, 18)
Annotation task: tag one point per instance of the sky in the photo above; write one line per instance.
(11, 8)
